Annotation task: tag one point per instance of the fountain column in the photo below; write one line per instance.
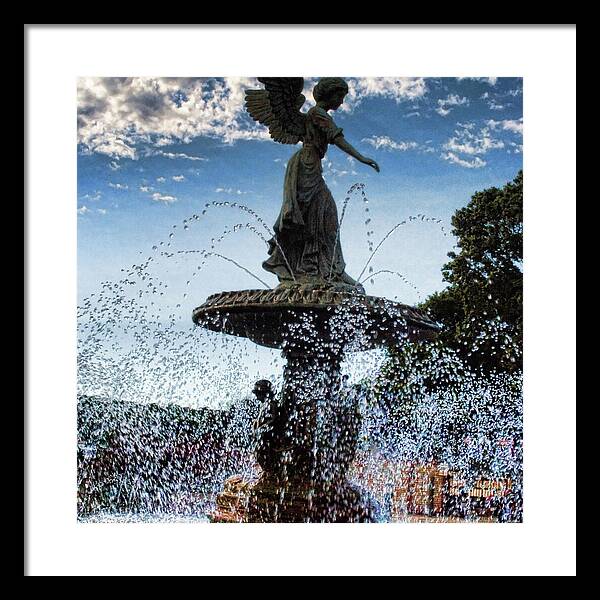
(311, 442)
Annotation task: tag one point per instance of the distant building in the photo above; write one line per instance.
(432, 490)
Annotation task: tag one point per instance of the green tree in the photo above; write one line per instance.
(458, 400)
(481, 310)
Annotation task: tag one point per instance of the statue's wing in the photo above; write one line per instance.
(278, 107)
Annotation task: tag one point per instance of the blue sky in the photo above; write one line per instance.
(152, 152)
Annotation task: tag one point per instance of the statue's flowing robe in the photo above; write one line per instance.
(307, 227)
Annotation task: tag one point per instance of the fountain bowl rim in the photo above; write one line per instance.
(281, 304)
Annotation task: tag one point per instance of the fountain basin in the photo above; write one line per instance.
(345, 320)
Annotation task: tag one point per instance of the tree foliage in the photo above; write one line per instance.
(458, 400)
(135, 457)
(481, 310)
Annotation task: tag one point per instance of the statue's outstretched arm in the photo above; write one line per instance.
(341, 142)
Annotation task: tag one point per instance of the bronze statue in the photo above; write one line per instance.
(306, 246)
(269, 427)
(307, 435)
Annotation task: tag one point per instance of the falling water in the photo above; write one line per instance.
(165, 411)
(420, 217)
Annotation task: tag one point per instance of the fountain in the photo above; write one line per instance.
(356, 423)
(316, 315)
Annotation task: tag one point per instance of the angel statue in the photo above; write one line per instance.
(306, 246)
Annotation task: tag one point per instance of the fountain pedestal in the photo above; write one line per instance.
(308, 445)
(309, 433)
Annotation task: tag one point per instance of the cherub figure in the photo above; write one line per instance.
(269, 428)
(306, 247)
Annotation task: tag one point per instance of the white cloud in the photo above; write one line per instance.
(474, 163)
(161, 179)
(495, 105)
(445, 105)
(513, 125)
(399, 89)
(516, 148)
(490, 80)
(331, 169)
(108, 143)
(93, 197)
(468, 141)
(101, 211)
(178, 178)
(174, 155)
(117, 116)
(386, 143)
(114, 165)
(146, 189)
(221, 190)
(83, 210)
(158, 197)
(118, 186)
(468, 144)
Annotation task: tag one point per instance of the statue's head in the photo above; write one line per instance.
(263, 389)
(330, 92)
